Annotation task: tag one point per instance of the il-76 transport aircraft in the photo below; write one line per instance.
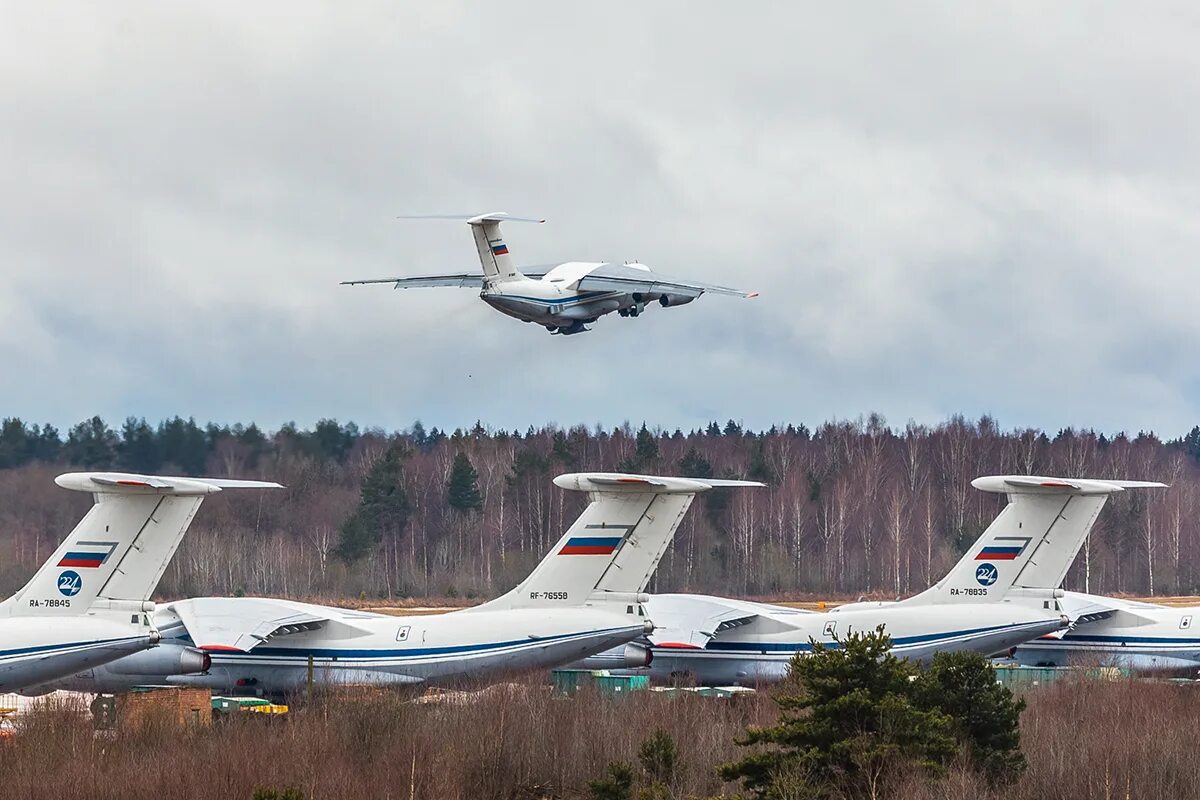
(562, 297)
(1004, 591)
(584, 597)
(1125, 633)
(90, 602)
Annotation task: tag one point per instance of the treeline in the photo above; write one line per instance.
(852, 506)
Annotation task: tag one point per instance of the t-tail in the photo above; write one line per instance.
(115, 556)
(608, 555)
(1029, 547)
(497, 262)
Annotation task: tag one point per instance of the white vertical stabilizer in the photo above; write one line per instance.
(1031, 544)
(609, 553)
(119, 550)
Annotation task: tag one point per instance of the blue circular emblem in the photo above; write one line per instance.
(69, 583)
(986, 574)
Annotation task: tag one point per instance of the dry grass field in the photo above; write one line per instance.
(1083, 739)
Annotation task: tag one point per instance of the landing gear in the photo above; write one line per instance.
(567, 330)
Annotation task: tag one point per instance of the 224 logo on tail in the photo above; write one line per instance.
(986, 574)
(69, 583)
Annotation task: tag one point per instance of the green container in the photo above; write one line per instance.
(237, 703)
(1016, 677)
(570, 681)
(621, 684)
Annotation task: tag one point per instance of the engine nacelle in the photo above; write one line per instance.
(629, 656)
(166, 659)
(669, 300)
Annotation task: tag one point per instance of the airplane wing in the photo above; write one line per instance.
(225, 623)
(624, 278)
(453, 279)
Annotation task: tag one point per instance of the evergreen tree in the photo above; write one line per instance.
(138, 450)
(383, 507)
(757, 468)
(646, 449)
(850, 720)
(91, 444)
(462, 489)
(562, 450)
(694, 465)
(986, 715)
(16, 447)
(45, 443)
(183, 444)
(617, 784)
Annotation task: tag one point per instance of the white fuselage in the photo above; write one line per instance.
(353, 647)
(555, 299)
(759, 650)
(1138, 635)
(35, 650)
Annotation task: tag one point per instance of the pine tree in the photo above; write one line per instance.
(383, 507)
(986, 715)
(91, 444)
(646, 448)
(139, 450)
(850, 720)
(462, 489)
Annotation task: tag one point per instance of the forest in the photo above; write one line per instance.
(852, 507)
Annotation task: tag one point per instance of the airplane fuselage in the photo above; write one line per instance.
(555, 300)
(33, 651)
(760, 650)
(1137, 635)
(354, 647)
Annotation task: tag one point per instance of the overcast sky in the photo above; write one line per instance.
(946, 210)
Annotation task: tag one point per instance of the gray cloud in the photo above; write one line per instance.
(947, 208)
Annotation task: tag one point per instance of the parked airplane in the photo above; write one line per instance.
(584, 597)
(1125, 633)
(90, 602)
(1004, 591)
(563, 297)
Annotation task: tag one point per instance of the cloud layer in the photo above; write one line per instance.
(946, 209)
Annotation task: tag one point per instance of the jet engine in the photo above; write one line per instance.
(166, 659)
(630, 656)
(668, 300)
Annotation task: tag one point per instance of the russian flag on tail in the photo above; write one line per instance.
(88, 555)
(590, 546)
(1003, 548)
(499, 249)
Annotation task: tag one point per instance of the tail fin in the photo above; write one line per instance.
(611, 550)
(1031, 544)
(120, 549)
(493, 252)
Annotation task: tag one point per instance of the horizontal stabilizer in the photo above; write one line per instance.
(642, 484)
(128, 483)
(474, 219)
(1035, 484)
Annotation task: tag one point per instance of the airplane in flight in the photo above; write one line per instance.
(1003, 592)
(90, 602)
(562, 297)
(583, 598)
(1117, 632)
